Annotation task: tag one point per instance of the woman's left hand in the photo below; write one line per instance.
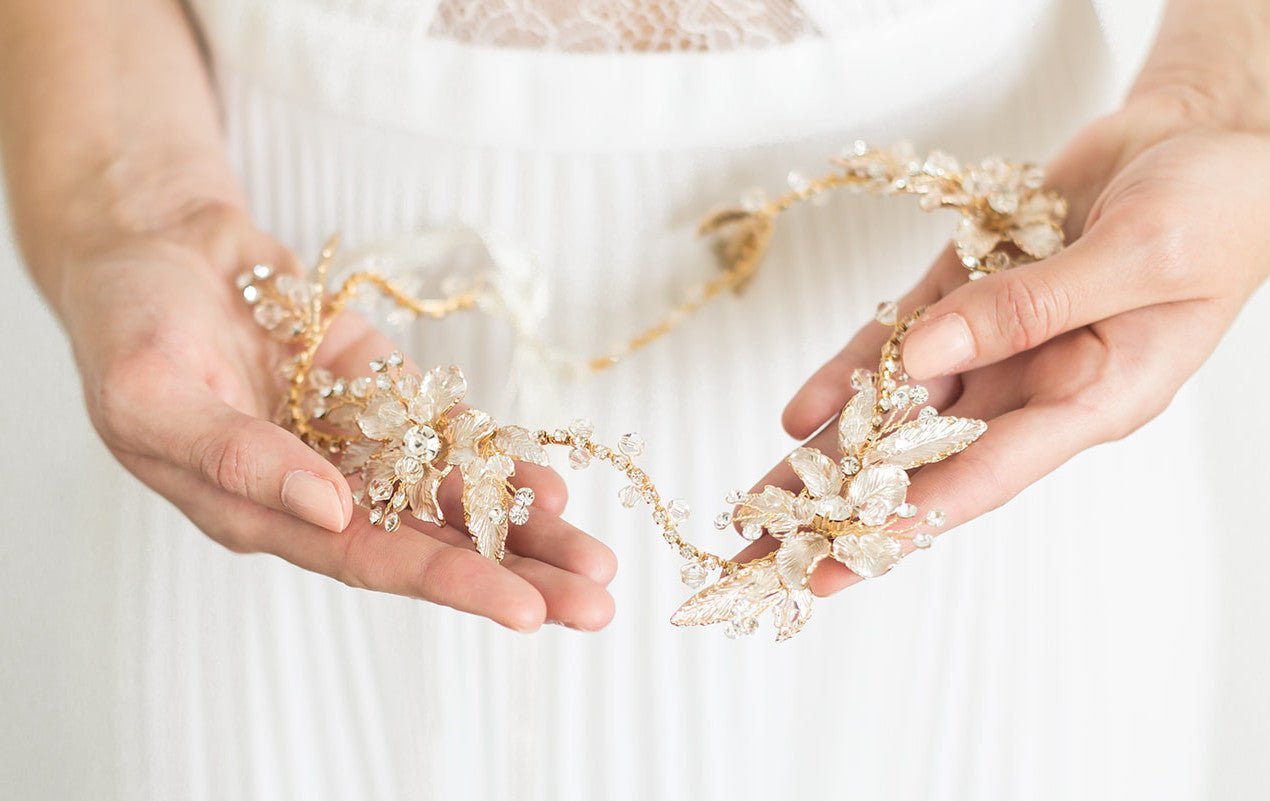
(1169, 221)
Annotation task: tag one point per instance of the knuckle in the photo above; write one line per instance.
(227, 459)
(1028, 312)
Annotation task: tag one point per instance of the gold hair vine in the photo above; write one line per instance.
(400, 433)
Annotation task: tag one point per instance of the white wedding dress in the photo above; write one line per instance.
(1059, 648)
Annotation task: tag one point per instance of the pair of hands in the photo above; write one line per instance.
(1168, 241)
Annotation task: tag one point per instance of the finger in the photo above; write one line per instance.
(1018, 449)
(545, 537)
(570, 599)
(164, 415)
(404, 562)
(1015, 310)
(829, 388)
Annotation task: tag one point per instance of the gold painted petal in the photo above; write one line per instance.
(774, 509)
(867, 555)
(748, 592)
(485, 502)
(422, 497)
(972, 240)
(856, 422)
(792, 613)
(876, 491)
(520, 443)
(440, 390)
(927, 440)
(466, 431)
(383, 419)
(817, 471)
(798, 556)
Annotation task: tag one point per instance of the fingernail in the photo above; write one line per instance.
(938, 346)
(311, 497)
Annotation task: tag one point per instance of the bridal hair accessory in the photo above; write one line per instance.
(400, 432)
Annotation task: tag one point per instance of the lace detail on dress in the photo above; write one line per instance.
(592, 26)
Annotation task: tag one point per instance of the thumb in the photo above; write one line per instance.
(1014, 310)
(247, 456)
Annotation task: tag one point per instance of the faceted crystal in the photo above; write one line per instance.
(360, 387)
(752, 532)
(421, 442)
(936, 518)
(379, 489)
(734, 497)
(525, 496)
(746, 625)
(581, 429)
(262, 271)
(579, 458)
(919, 395)
(251, 293)
(927, 413)
(722, 520)
(395, 358)
(629, 496)
(268, 314)
(383, 382)
(693, 574)
(860, 378)
(886, 312)
(678, 510)
(923, 540)
(391, 521)
(518, 515)
(376, 515)
(631, 444)
(398, 499)
(849, 465)
(731, 631)
(377, 366)
(906, 510)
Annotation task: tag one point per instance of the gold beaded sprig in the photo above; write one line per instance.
(398, 433)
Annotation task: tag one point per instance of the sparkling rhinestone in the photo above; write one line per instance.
(752, 532)
(395, 358)
(579, 458)
(581, 429)
(734, 497)
(731, 631)
(269, 315)
(969, 262)
(631, 444)
(262, 271)
(906, 510)
(861, 378)
(850, 465)
(376, 515)
(391, 521)
(722, 520)
(923, 540)
(886, 312)
(660, 518)
(383, 382)
(693, 574)
(798, 181)
(747, 626)
(753, 199)
(497, 515)
(629, 496)
(919, 395)
(975, 275)
(377, 366)
(678, 510)
(927, 413)
(421, 442)
(379, 489)
(859, 147)
(525, 496)
(251, 293)
(900, 397)
(518, 515)
(398, 499)
(936, 518)
(339, 387)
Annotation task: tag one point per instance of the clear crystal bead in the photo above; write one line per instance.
(975, 275)
(753, 199)
(693, 574)
(391, 521)
(722, 520)
(421, 442)
(746, 625)
(262, 271)
(919, 395)
(377, 366)
(376, 515)
(850, 465)
(886, 312)
(629, 496)
(579, 458)
(251, 293)
(398, 499)
(379, 489)
(581, 429)
(678, 510)
(798, 181)
(395, 358)
(923, 540)
(518, 515)
(859, 148)
(734, 497)
(731, 631)
(906, 510)
(861, 378)
(269, 314)
(525, 496)
(927, 413)
(901, 398)
(936, 518)
(751, 532)
(631, 444)
(383, 382)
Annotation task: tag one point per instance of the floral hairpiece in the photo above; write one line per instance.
(398, 433)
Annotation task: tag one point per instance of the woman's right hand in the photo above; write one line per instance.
(180, 382)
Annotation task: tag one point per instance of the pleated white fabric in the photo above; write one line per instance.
(1042, 652)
